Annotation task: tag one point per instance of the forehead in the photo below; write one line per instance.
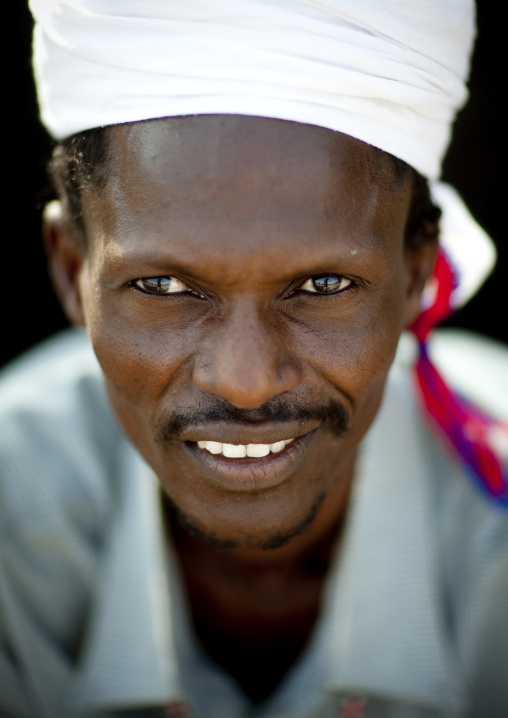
(232, 141)
(235, 180)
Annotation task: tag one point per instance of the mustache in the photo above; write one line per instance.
(332, 415)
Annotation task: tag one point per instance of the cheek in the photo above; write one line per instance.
(354, 353)
(141, 353)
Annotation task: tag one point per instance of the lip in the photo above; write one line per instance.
(261, 433)
(250, 474)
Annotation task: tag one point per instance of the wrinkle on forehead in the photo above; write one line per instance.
(251, 179)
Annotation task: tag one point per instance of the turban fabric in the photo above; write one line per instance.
(390, 72)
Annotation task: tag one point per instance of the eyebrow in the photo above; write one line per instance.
(145, 262)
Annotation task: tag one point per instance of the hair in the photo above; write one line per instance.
(80, 162)
(77, 164)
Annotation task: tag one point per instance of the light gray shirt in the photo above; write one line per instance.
(93, 622)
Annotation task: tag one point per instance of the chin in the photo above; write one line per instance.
(245, 529)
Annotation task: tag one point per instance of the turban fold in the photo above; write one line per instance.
(389, 72)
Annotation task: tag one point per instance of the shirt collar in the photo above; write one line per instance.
(129, 655)
(387, 633)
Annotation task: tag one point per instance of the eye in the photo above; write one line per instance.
(327, 284)
(163, 286)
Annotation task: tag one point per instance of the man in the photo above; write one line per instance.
(309, 548)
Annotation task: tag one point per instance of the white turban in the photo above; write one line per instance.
(389, 72)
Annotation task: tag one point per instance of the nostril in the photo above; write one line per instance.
(246, 385)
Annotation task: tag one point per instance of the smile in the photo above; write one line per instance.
(252, 466)
(240, 451)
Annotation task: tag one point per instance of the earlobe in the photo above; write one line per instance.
(65, 259)
(419, 267)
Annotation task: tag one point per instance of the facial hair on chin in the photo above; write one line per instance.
(181, 523)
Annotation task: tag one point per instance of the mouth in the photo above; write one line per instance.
(249, 467)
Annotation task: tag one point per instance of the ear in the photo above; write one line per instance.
(419, 263)
(65, 258)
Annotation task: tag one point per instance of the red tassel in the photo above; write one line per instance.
(474, 436)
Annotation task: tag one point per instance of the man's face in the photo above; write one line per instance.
(245, 282)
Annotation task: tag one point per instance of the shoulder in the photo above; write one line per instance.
(476, 368)
(57, 433)
(468, 530)
(61, 458)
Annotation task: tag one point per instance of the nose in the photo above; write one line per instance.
(245, 360)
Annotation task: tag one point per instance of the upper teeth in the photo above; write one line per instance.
(238, 451)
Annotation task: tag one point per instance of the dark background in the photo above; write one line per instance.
(29, 310)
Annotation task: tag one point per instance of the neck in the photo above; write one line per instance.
(317, 539)
(254, 606)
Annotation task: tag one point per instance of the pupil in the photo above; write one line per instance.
(162, 283)
(326, 284)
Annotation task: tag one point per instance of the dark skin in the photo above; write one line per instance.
(239, 217)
